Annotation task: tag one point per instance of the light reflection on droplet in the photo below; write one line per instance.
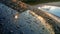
(16, 16)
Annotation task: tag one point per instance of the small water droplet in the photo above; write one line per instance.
(11, 30)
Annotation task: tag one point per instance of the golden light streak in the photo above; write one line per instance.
(43, 21)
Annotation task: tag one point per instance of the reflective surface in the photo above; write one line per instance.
(52, 9)
(12, 22)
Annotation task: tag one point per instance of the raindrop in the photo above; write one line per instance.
(43, 28)
(28, 22)
(1, 25)
(32, 30)
(21, 32)
(11, 30)
(1, 19)
(18, 26)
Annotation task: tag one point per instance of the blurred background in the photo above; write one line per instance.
(33, 2)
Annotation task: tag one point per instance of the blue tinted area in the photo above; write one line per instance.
(55, 11)
(24, 24)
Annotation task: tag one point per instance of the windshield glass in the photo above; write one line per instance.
(52, 9)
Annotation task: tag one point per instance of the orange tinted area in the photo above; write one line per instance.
(14, 0)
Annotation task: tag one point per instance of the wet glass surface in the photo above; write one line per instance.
(12, 22)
